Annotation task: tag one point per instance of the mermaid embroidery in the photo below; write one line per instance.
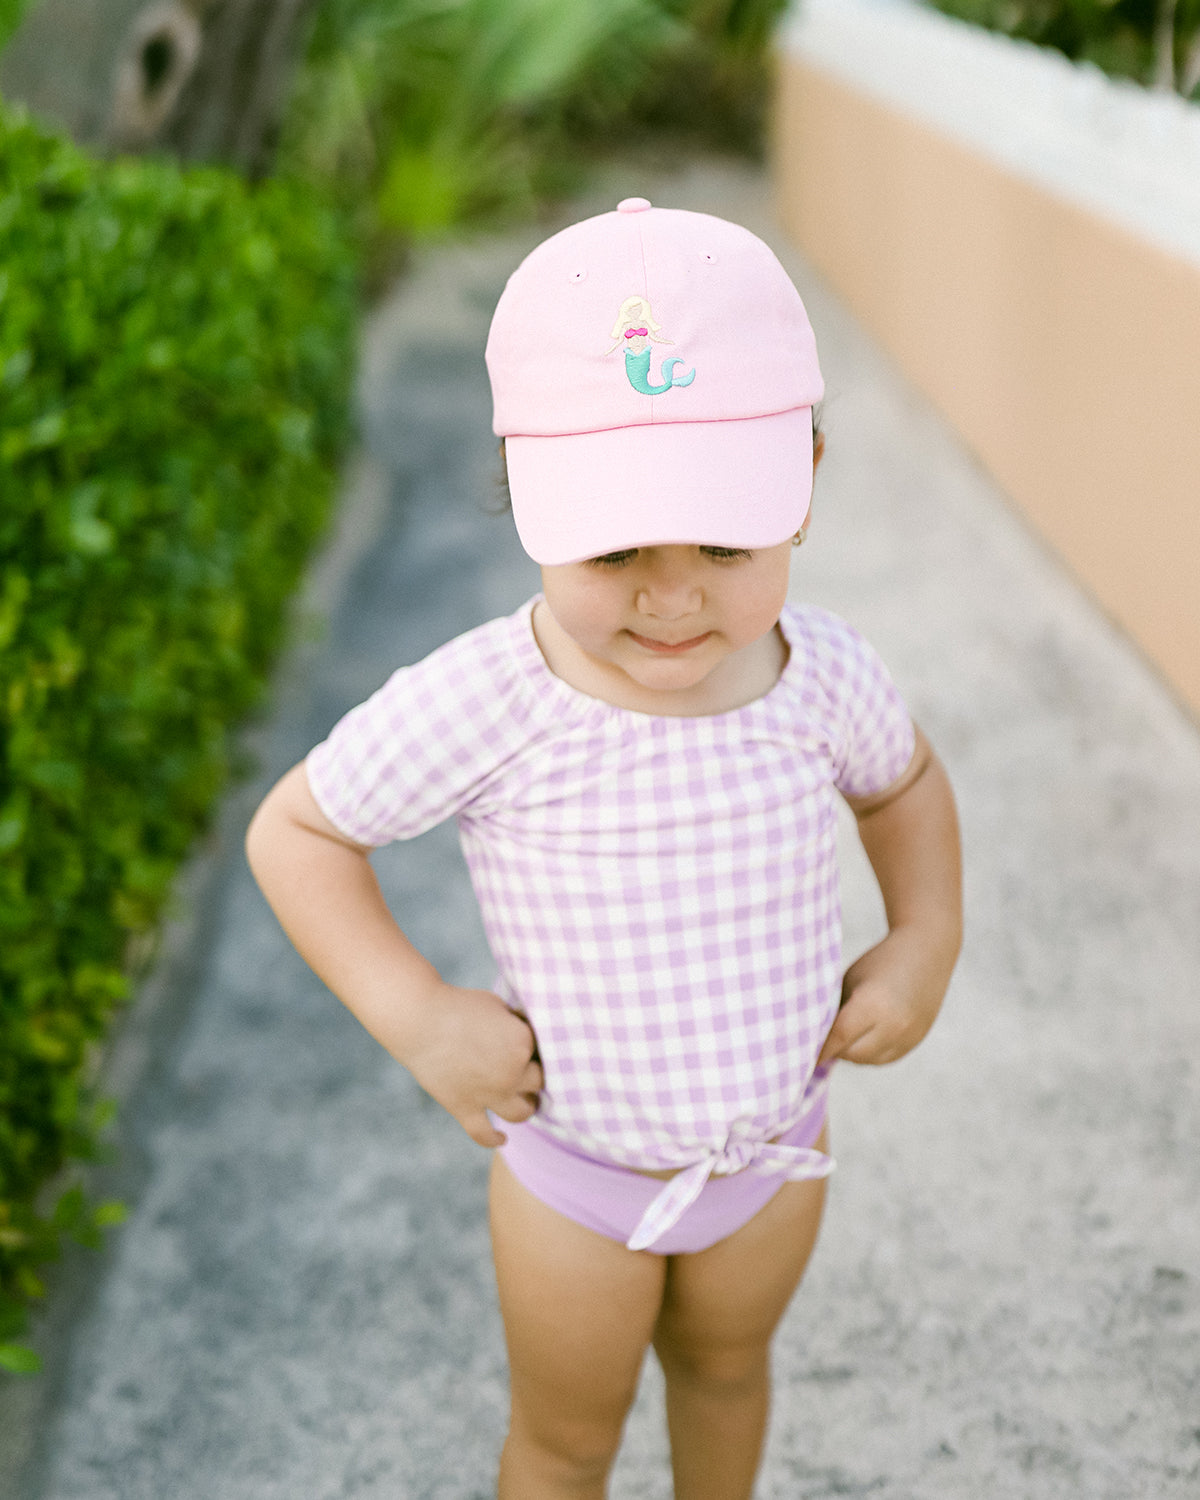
(635, 328)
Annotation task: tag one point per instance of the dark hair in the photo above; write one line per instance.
(503, 498)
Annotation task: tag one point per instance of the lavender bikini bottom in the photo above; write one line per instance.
(611, 1200)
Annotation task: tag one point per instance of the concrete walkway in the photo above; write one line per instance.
(1006, 1299)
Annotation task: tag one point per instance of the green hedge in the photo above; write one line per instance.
(175, 355)
(1147, 40)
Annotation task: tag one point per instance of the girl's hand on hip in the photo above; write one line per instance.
(892, 994)
(474, 1054)
(890, 999)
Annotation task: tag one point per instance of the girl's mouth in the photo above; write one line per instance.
(669, 648)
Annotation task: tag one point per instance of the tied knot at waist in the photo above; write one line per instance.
(739, 1153)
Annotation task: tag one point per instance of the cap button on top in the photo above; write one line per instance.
(633, 205)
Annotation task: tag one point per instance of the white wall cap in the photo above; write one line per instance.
(1129, 153)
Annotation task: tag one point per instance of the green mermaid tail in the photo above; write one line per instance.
(637, 367)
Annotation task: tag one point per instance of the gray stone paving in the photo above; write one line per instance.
(1006, 1298)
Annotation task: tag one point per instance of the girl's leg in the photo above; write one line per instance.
(579, 1313)
(720, 1310)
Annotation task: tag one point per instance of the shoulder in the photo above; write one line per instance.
(845, 684)
(482, 670)
(419, 749)
(471, 692)
(485, 646)
(824, 647)
(838, 673)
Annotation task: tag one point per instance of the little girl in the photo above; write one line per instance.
(643, 763)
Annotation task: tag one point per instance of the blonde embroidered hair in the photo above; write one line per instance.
(634, 310)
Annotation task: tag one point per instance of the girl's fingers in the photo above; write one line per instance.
(864, 1049)
(483, 1132)
(518, 1108)
(840, 1037)
(846, 1036)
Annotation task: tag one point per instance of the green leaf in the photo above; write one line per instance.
(14, 816)
(47, 430)
(16, 367)
(91, 536)
(18, 1360)
(14, 595)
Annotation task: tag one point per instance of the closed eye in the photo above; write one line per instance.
(717, 554)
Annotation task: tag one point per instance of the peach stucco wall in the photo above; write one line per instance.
(1064, 349)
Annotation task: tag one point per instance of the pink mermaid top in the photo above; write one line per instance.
(660, 894)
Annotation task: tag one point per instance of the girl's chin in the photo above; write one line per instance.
(668, 673)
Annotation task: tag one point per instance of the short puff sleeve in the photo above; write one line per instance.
(418, 751)
(872, 733)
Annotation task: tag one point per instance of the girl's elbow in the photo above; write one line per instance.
(258, 838)
(269, 825)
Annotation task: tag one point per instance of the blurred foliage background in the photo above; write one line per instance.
(1154, 42)
(428, 115)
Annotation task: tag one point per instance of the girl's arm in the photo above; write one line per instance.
(464, 1047)
(892, 994)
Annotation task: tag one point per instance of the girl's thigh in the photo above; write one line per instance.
(579, 1312)
(727, 1300)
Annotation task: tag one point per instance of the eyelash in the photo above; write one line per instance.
(717, 554)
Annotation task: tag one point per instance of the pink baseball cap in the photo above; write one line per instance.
(653, 375)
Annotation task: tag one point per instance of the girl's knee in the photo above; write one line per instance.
(567, 1455)
(726, 1371)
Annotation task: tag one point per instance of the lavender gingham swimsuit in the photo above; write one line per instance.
(660, 893)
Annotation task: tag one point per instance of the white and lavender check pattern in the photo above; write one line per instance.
(660, 894)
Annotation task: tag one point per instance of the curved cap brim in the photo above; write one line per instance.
(741, 483)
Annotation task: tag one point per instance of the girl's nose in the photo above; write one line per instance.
(668, 589)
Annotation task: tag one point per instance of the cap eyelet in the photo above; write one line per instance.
(579, 275)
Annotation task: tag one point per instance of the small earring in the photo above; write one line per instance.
(799, 538)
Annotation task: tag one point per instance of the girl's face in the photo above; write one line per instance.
(676, 630)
